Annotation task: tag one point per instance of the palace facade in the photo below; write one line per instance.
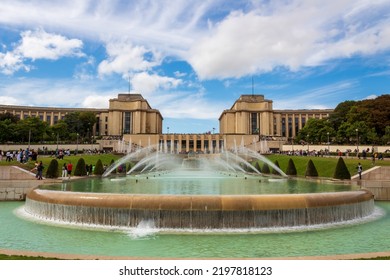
(130, 119)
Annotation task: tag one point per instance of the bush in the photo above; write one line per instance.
(341, 172)
(311, 170)
(80, 168)
(274, 171)
(52, 170)
(265, 169)
(291, 169)
(257, 166)
(99, 169)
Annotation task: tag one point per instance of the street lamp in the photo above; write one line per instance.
(77, 144)
(29, 138)
(328, 142)
(213, 130)
(292, 144)
(57, 140)
(308, 148)
(357, 142)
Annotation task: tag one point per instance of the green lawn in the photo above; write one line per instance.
(89, 159)
(324, 165)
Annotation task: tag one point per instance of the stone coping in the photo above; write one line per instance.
(99, 257)
(201, 202)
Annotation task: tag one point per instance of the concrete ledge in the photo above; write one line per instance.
(15, 182)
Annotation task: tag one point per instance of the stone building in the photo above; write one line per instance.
(130, 122)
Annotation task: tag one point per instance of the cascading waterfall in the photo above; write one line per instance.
(206, 217)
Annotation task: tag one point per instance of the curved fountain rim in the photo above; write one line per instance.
(201, 202)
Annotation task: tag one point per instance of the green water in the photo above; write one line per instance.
(20, 234)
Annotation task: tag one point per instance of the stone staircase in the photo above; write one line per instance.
(15, 182)
(376, 180)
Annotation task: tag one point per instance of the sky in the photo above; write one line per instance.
(192, 59)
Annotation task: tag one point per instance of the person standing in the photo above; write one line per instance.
(40, 168)
(69, 169)
(64, 170)
(360, 170)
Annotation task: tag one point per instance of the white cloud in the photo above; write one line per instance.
(97, 101)
(124, 58)
(8, 100)
(318, 98)
(56, 93)
(219, 39)
(180, 105)
(148, 84)
(11, 62)
(38, 44)
(293, 35)
(372, 96)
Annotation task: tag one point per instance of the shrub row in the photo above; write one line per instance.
(341, 172)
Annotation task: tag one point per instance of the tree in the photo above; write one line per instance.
(80, 122)
(31, 127)
(291, 169)
(311, 170)
(9, 116)
(52, 170)
(80, 168)
(99, 170)
(265, 169)
(274, 171)
(341, 172)
(338, 116)
(7, 129)
(316, 131)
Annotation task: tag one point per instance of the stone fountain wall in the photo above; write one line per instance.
(199, 212)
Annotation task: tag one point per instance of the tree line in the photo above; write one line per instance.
(74, 126)
(351, 122)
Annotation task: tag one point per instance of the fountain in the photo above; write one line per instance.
(197, 192)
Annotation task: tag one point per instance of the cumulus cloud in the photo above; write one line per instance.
(123, 58)
(8, 100)
(96, 101)
(293, 36)
(219, 40)
(38, 44)
(149, 83)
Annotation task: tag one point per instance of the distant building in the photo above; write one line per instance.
(130, 122)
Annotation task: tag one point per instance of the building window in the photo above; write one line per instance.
(290, 127)
(284, 127)
(98, 127)
(198, 144)
(127, 123)
(296, 125)
(55, 119)
(303, 121)
(48, 119)
(254, 123)
(275, 127)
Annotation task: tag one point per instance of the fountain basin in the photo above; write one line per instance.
(200, 211)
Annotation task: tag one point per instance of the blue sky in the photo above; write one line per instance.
(193, 59)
